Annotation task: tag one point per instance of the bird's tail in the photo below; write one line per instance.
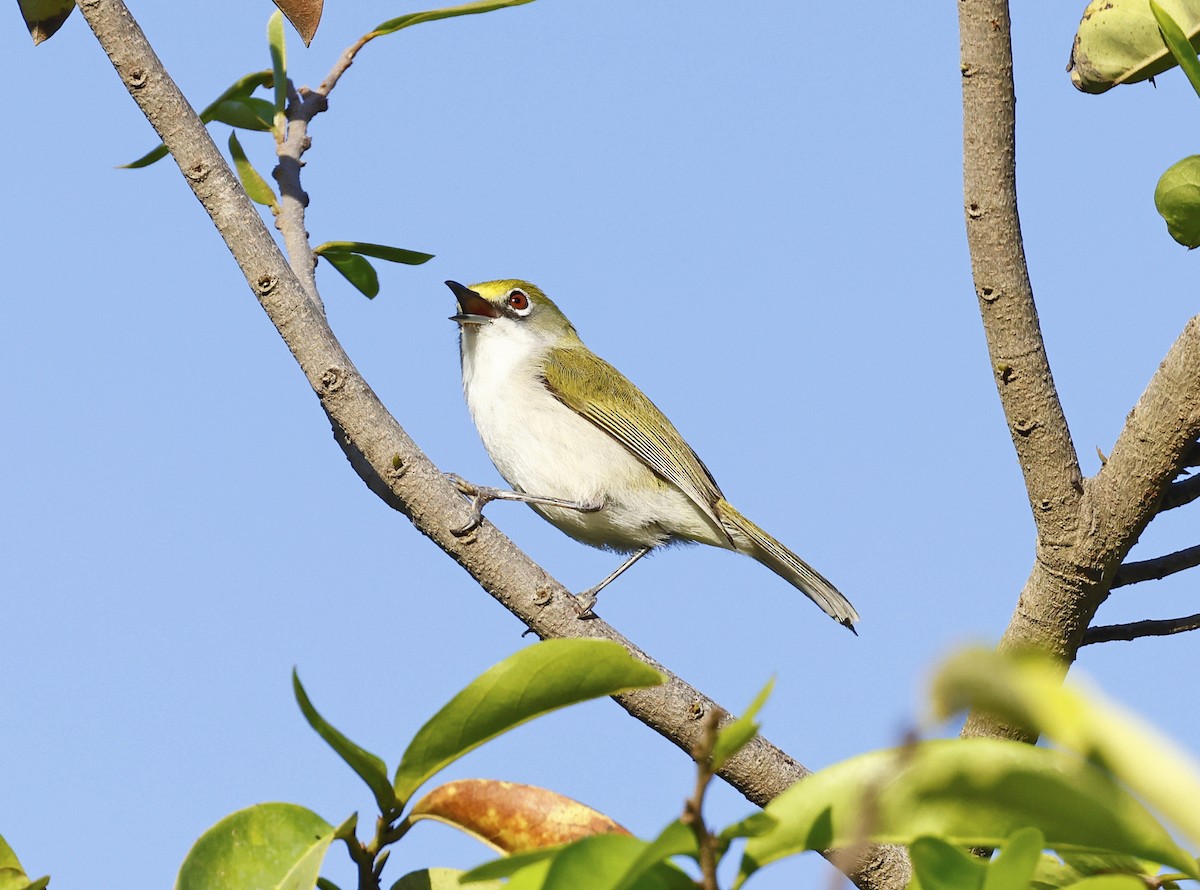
(755, 542)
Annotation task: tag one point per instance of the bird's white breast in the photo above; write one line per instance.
(542, 447)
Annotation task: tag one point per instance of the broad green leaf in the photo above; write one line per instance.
(1182, 51)
(968, 792)
(256, 187)
(44, 17)
(752, 826)
(538, 679)
(326, 884)
(1177, 198)
(249, 113)
(439, 879)
(734, 737)
(600, 862)
(1118, 42)
(379, 251)
(240, 88)
(938, 865)
(304, 15)
(370, 768)
(507, 866)
(676, 839)
(356, 270)
(1030, 691)
(1109, 882)
(12, 875)
(391, 26)
(1018, 860)
(8, 858)
(276, 845)
(278, 48)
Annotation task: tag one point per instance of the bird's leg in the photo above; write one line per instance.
(587, 599)
(481, 495)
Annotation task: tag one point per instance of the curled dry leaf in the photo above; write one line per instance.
(512, 818)
(304, 15)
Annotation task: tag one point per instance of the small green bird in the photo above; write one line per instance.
(588, 451)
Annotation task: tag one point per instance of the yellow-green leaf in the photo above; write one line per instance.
(256, 187)
(1118, 42)
(391, 26)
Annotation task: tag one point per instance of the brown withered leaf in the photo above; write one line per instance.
(44, 17)
(304, 15)
(512, 818)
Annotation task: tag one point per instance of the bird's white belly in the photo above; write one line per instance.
(542, 447)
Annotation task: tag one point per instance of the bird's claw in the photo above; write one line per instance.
(584, 603)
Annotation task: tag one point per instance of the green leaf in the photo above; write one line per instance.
(240, 88)
(379, 251)
(1109, 882)
(439, 879)
(676, 839)
(278, 48)
(600, 862)
(1029, 691)
(391, 26)
(1177, 43)
(1119, 41)
(1177, 198)
(938, 865)
(256, 187)
(507, 866)
(356, 269)
(968, 792)
(1018, 859)
(268, 845)
(44, 17)
(249, 113)
(538, 679)
(370, 768)
(752, 826)
(734, 737)
(12, 875)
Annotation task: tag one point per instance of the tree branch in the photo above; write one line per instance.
(1157, 568)
(1010, 321)
(1110, 632)
(1181, 493)
(1085, 529)
(384, 455)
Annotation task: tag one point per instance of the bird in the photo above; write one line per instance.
(588, 451)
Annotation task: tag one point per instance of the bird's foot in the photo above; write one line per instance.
(482, 495)
(584, 603)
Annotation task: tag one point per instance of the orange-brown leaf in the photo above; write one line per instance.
(512, 818)
(304, 15)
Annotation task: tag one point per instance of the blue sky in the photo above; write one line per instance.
(754, 212)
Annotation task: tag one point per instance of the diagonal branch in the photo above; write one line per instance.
(1010, 320)
(1085, 528)
(1111, 632)
(384, 455)
(1157, 568)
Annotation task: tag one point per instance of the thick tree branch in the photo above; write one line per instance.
(384, 454)
(1010, 321)
(1085, 529)
(1157, 568)
(1110, 632)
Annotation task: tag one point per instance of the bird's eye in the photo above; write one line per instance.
(519, 301)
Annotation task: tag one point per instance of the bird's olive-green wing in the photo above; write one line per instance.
(595, 389)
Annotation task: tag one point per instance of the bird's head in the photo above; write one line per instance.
(509, 303)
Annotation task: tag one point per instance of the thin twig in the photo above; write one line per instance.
(1138, 629)
(693, 808)
(1180, 493)
(1157, 568)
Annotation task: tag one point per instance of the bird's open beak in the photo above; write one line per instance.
(472, 308)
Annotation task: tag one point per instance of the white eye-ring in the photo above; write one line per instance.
(518, 301)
